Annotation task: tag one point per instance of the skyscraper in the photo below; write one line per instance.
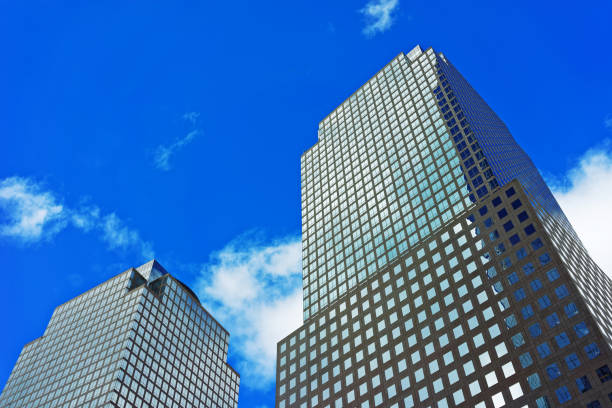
(438, 268)
(140, 339)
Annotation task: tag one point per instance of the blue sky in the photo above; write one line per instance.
(174, 129)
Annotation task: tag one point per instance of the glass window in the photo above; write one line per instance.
(562, 340)
(562, 292)
(511, 321)
(552, 274)
(542, 402)
(443, 340)
(513, 278)
(494, 331)
(478, 340)
(448, 358)
(475, 388)
(583, 384)
(516, 391)
(527, 312)
(535, 330)
(536, 285)
(433, 366)
(423, 394)
(553, 371)
(544, 258)
(525, 360)
(553, 320)
(453, 377)
(438, 385)
(571, 310)
(508, 369)
(581, 329)
(544, 302)
(543, 350)
(528, 268)
(405, 383)
(468, 368)
(563, 394)
(604, 373)
(572, 361)
(518, 340)
(491, 379)
(497, 287)
(592, 350)
(429, 348)
(503, 304)
(485, 359)
(534, 381)
(458, 397)
(501, 349)
(537, 244)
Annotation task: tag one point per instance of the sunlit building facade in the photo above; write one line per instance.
(438, 269)
(140, 339)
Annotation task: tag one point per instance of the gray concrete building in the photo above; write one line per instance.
(140, 339)
(438, 268)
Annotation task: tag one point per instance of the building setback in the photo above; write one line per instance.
(140, 339)
(438, 269)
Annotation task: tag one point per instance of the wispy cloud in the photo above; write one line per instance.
(379, 16)
(253, 287)
(608, 122)
(585, 195)
(191, 117)
(119, 236)
(29, 214)
(163, 154)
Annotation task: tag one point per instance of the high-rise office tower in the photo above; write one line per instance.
(438, 269)
(140, 339)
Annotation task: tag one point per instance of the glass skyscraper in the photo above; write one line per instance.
(438, 268)
(140, 339)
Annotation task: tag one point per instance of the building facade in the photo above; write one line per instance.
(438, 269)
(140, 339)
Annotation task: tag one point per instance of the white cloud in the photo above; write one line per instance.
(29, 214)
(585, 195)
(379, 16)
(254, 289)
